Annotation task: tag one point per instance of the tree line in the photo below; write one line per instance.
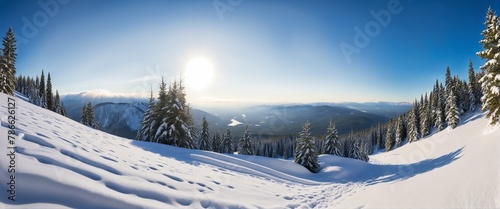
(36, 90)
(39, 92)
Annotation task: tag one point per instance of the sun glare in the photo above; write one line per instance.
(199, 73)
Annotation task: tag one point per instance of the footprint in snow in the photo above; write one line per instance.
(108, 158)
(37, 140)
(175, 178)
(184, 201)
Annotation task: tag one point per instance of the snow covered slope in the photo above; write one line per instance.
(62, 164)
(457, 168)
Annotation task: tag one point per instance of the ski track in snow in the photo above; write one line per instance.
(62, 164)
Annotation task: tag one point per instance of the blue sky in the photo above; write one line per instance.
(261, 51)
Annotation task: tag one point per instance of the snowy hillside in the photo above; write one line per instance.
(62, 164)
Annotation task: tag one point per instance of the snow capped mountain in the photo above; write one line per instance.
(120, 119)
(100, 95)
(74, 102)
(60, 163)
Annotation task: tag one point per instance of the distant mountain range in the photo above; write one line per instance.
(121, 116)
(120, 119)
(289, 119)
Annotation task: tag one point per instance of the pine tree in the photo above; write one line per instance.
(448, 81)
(388, 139)
(466, 96)
(440, 116)
(50, 98)
(399, 132)
(176, 126)
(7, 64)
(84, 119)
(90, 113)
(305, 153)
(442, 96)
(412, 125)
(159, 122)
(379, 137)
(332, 144)
(424, 117)
(473, 100)
(490, 82)
(452, 116)
(42, 92)
(180, 118)
(146, 131)
(354, 149)
(216, 142)
(63, 110)
(57, 103)
(245, 144)
(88, 116)
(204, 143)
(227, 144)
(34, 94)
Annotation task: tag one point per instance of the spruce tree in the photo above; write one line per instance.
(452, 116)
(204, 143)
(388, 139)
(472, 90)
(490, 82)
(412, 125)
(88, 118)
(379, 137)
(448, 81)
(180, 119)
(63, 110)
(34, 95)
(42, 92)
(216, 142)
(245, 144)
(440, 116)
(146, 132)
(7, 64)
(50, 98)
(332, 144)
(305, 153)
(440, 119)
(159, 125)
(399, 132)
(57, 103)
(93, 122)
(227, 144)
(84, 119)
(424, 117)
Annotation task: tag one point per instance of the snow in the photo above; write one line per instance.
(495, 90)
(234, 122)
(63, 164)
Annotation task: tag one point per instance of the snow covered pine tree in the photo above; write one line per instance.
(305, 153)
(490, 82)
(7, 64)
(332, 144)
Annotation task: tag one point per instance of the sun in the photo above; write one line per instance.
(199, 73)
